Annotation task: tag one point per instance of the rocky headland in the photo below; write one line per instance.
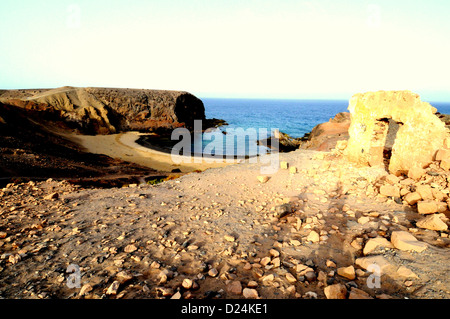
(335, 223)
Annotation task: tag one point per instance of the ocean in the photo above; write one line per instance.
(293, 117)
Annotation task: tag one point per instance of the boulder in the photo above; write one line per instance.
(397, 122)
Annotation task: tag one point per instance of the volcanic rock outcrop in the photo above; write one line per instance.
(110, 110)
(394, 125)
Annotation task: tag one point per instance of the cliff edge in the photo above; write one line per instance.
(109, 110)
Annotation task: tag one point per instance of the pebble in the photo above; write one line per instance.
(249, 293)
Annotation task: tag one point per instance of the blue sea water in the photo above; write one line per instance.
(294, 117)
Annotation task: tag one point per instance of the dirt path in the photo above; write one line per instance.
(215, 234)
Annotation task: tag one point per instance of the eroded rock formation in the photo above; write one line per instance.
(396, 126)
(110, 110)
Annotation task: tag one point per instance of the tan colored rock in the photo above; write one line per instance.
(406, 272)
(347, 272)
(373, 243)
(356, 293)
(442, 154)
(336, 291)
(425, 192)
(427, 207)
(229, 238)
(123, 276)
(292, 170)
(417, 139)
(433, 222)
(187, 283)
(403, 240)
(284, 165)
(412, 198)
(249, 293)
(234, 287)
(416, 173)
(290, 277)
(263, 178)
(363, 220)
(113, 288)
(85, 289)
(130, 248)
(380, 261)
(392, 179)
(313, 237)
(390, 190)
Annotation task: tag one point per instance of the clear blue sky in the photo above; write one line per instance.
(232, 48)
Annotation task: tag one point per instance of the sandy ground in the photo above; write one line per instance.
(124, 147)
(216, 234)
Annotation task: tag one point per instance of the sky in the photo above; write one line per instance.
(233, 48)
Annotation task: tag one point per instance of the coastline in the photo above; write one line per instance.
(124, 147)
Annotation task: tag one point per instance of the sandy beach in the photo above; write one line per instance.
(124, 147)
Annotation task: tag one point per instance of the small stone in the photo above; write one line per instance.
(336, 291)
(283, 210)
(390, 191)
(292, 170)
(406, 272)
(380, 261)
(155, 265)
(51, 196)
(290, 277)
(392, 179)
(213, 272)
(268, 278)
(412, 198)
(130, 248)
(265, 261)
(187, 283)
(408, 283)
(113, 288)
(313, 237)
(363, 220)
(276, 262)
(405, 241)
(252, 284)
(427, 207)
(123, 276)
(229, 238)
(432, 222)
(373, 243)
(284, 165)
(263, 178)
(85, 289)
(331, 264)
(177, 295)
(274, 253)
(249, 293)
(3, 234)
(235, 287)
(425, 192)
(347, 272)
(356, 293)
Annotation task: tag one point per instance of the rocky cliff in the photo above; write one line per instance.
(110, 110)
